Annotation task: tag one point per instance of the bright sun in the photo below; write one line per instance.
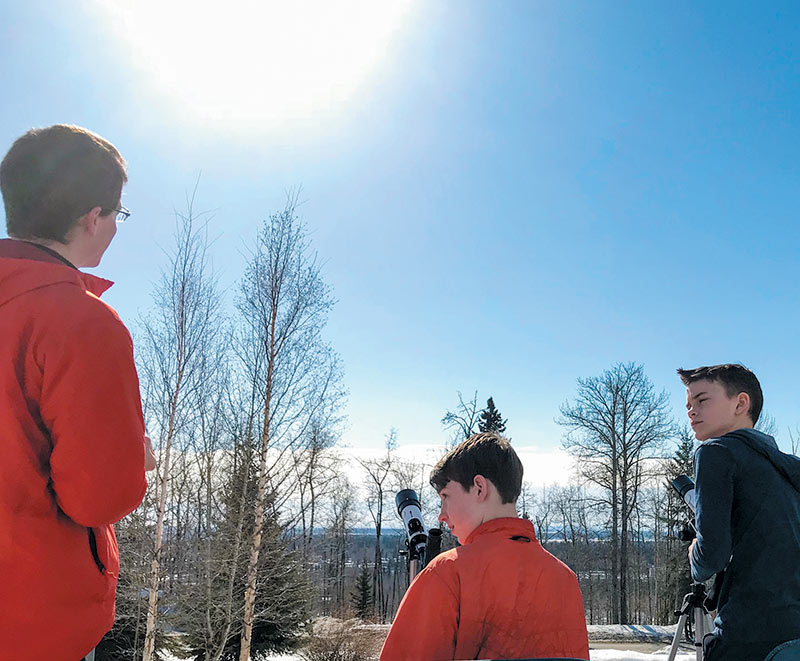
(264, 63)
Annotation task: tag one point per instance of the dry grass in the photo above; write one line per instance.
(343, 640)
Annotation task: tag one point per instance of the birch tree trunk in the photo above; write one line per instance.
(285, 304)
(177, 335)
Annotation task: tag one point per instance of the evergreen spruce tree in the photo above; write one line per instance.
(490, 419)
(678, 577)
(125, 642)
(282, 606)
(361, 599)
(682, 461)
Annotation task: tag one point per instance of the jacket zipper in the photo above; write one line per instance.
(93, 548)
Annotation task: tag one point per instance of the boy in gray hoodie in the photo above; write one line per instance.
(747, 516)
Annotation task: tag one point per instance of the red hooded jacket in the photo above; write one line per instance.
(71, 455)
(497, 597)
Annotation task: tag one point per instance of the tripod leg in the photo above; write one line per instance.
(676, 639)
(701, 628)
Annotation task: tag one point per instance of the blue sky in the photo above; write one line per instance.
(512, 195)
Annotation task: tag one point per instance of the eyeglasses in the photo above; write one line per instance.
(122, 214)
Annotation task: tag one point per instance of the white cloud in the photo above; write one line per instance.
(542, 467)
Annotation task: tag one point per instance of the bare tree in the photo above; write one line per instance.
(567, 502)
(295, 374)
(378, 472)
(794, 441)
(526, 501)
(209, 594)
(766, 424)
(616, 422)
(542, 512)
(177, 336)
(315, 470)
(340, 518)
(570, 523)
(464, 420)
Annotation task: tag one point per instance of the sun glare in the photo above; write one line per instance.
(262, 63)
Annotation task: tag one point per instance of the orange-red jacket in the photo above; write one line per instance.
(497, 597)
(71, 455)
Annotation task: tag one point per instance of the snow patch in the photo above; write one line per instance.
(618, 655)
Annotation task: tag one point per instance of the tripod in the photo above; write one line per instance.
(693, 617)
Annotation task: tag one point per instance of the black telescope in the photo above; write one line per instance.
(685, 487)
(695, 602)
(422, 546)
(409, 509)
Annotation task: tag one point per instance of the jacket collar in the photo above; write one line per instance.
(52, 253)
(22, 250)
(508, 527)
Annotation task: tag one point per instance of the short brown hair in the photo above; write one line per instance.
(52, 176)
(734, 378)
(488, 454)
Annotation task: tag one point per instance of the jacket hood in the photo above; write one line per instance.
(786, 464)
(25, 268)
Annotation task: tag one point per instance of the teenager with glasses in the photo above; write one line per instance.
(73, 450)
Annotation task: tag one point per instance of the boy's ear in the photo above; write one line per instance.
(481, 485)
(743, 403)
(88, 222)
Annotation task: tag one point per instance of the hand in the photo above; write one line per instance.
(149, 455)
(691, 546)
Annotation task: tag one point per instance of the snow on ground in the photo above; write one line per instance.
(618, 655)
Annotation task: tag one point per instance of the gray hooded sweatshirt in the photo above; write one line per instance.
(748, 522)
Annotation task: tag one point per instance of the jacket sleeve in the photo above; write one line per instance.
(425, 626)
(90, 404)
(714, 467)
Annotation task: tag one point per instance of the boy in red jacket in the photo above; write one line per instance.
(498, 596)
(73, 449)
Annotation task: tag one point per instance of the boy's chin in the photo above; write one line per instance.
(702, 435)
(461, 536)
